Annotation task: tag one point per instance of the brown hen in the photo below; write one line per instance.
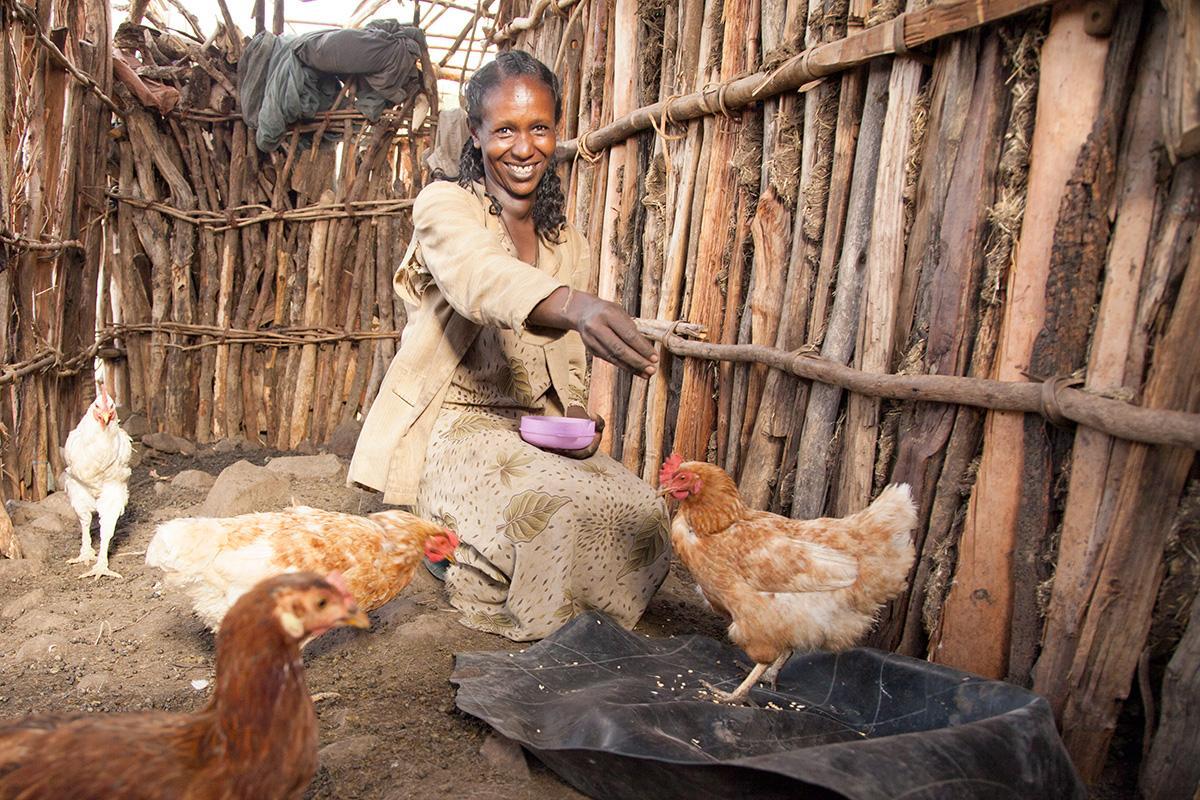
(214, 560)
(787, 584)
(257, 738)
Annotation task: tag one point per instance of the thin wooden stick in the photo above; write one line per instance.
(312, 310)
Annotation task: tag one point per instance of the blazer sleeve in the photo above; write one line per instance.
(477, 276)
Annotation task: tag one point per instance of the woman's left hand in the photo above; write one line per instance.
(579, 412)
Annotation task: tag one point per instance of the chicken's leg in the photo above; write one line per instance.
(771, 676)
(742, 692)
(110, 507)
(86, 553)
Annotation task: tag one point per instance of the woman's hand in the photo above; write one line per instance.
(607, 331)
(579, 412)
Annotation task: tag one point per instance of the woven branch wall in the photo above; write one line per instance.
(239, 293)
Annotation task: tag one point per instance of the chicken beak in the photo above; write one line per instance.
(358, 619)
(663, 492)
(453, 559)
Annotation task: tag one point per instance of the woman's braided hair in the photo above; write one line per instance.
(549, 217)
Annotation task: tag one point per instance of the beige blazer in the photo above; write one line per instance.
(458, 275)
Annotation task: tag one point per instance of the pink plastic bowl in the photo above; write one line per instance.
(559, 433)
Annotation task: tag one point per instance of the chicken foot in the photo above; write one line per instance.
(742, 693)
(100, 568)
(768, 674)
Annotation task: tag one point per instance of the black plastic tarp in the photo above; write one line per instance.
(621, 715)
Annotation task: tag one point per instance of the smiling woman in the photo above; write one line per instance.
(498, 328)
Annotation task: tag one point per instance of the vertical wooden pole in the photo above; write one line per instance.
(621, 158)
(1116, 364)
(1118, 617)
(695, 46)
(813, 466)
(697, 414)
(975, 625)
(875, 349)
(302, 402)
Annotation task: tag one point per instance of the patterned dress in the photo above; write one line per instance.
(545, 537)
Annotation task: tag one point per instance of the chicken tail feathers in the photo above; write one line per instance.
(892, 516)
(177, 546)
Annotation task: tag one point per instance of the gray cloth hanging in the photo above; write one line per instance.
(284, 79)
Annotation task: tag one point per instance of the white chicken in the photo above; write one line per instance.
(97, 454)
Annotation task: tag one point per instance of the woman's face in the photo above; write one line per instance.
(516, 136)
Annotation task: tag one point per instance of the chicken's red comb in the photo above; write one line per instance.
(669, 467)
(451, 537)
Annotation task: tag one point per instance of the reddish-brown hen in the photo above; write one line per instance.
(214, 560)
(787, 584)
(257, 738)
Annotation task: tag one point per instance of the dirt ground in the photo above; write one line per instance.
(390, 731)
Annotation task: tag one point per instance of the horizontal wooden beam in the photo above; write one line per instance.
(1050, 398)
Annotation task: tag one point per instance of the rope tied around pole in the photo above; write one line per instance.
(666, 119)
(800, 60)
(1051, 405)
(719, 90)
(583, 151)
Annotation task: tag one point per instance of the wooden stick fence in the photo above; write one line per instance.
(864, 233)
